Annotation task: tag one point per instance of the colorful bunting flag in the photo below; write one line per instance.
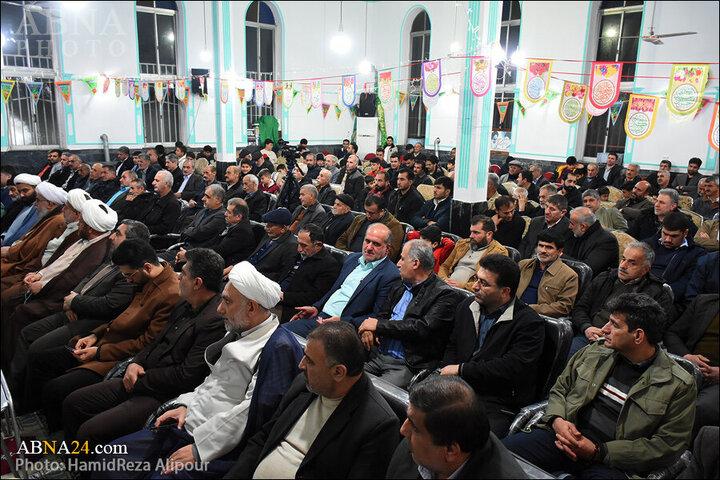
(521, 108)
(106, 84)
(401, 98)
(687, 85)
(65, 88)
(118, 88)
(144, 91)
(572, 102)
(413, 101)
(325, 108)
(34, 89)
(91, 83)
(186, 97)
(537, 79)
(278, 91)
(432, 77)
(704, 102)
(7, 88)
(348, 90)
(160, 92)
(502, 110)
(605, 84)
(288, 94)
(615, 110)
(131, 90)
(589, 117)
(136, 87)
(480, 75)
(268, 92)
(641, 114)
(713, 132)
(306, 95)
(259, 94)
(338, 112)
(549, 97)
(224, 91)
(385, 87)
(308, 109)
(430, 102)
(316, 95)
(125, 87)
(180, 89)
(241, 95)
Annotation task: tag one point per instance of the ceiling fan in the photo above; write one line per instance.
(654, 38)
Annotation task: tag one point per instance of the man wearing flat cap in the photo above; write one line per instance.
(275, 253)
(243, 390)
(21, 215)
(514, 169)
(43, 291)
(338, 219)
(26, 254)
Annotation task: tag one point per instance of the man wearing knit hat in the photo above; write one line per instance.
(26, 254)
(215, 419)
(22, 214)
(43, 291)
(338, 219)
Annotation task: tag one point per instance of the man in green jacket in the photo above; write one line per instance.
(622, 407)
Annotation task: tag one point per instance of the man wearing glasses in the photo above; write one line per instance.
(375, 212)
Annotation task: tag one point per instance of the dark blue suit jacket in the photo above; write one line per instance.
(369, 295)
(428, 213)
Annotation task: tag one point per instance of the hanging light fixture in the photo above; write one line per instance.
(205, 55)
(340, 42)
(365, 65)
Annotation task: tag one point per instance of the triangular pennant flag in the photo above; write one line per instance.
(106, 84)
(92, 84)
(325, 108)
(589, 117)
(401, 98)
(186, 98)
(308, 109)
(137, 93)
(65, 88)
(521, 108)
(615, 110)
(278, 91)
(7, 88)
(702, 105)
(549, 96)
(118, 88)
(352, 113)
(338, 112)
(241, 96)
(426, 108)
(502, 110)
(413, 101)
(34, 89)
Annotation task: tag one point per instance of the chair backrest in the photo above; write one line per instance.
(548, 176)
(338, 254)
(337, 187)
(408, 228)
(690, 367)
(527, 225)
(533, 203)
(696, 217)
(513, 253)
(397, 398)
(510, 187)
(355, 214)
(272, 201)
(623, 240)
(451, 236)
(685, 201)
(668, 290)
(583, 271)
(615, 194)
(463, 291)
(258, 230)
(426, 191)
(495, 169)
(608, 204)
(558, 338)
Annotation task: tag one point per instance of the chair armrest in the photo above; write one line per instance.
(119, 369)
(169, 405)
(528, 416)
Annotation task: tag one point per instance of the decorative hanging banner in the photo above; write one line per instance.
(249, 94)
(549, 97)
(160, 92)
(106, 84)
(480, 75)
(702, 105)
(348, 90)
(131, 90)
(180, 90)
(278, 91)
(430, 102)
(65, 88)
(34, 89)
(259, 94)
(537, 79)
(306, 95)
(7, 88)
(641, 114)
(572, 102)
(592, 111)
(413, 101)
(224, 91)
(432, 77)
(92, 84)
(338, 112)
(316, 95)
(241, 95)
(186, 97)
(144, 91)
(125, 87)
(615, 110)
(325, 108)
(713, 133)
(137, 93)
(118, 88)
(502, 110)
(288, 95)
(401, 98)
(687, 85)
(589, 117)
(385, 87)
(521, 108)
(605, 84)
(268, 92)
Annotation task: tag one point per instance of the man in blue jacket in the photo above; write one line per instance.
(436, 211)
(676, 255)
(361, 289)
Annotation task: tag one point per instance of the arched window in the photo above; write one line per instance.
(27, 56)
(419, 52)
(157, 47)
(259, 53)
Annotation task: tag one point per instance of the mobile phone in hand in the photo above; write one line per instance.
(166, 425)
(69, 348)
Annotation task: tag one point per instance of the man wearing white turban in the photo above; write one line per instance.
(217, 415)
(72, 212)
(26, 254)
(22, 214)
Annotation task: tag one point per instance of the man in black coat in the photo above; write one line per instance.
(611, 172)
(592, 179)
(405, 201)
(313, 273)
(554, 218)
(356, 441)
(413, 326)
(289, 195)
(274, 255)
(163, 215)
(257, 200)
(447, 432)
(338, 220)
(500, 356)
(234, 185)
(124, 161)
(107, 185)
(190, 183)
(571, 191)
(326, 193)
(354, 181)
(173, 363)
(591, 243)
(207, 223)
(509, 226)
(649, 221)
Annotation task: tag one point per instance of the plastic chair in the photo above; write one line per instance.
(623, 240)
(527, 225)
(119, 369)
(513, 253)
(583, 271)
(426, 191)
(510, 187)
(615, 194)
(696, 217)
(495, 169)
(685, 202)
(272, 201)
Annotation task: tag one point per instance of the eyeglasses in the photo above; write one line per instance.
(130, 275)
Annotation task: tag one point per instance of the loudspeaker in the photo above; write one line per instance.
(195, 83)
(367, 106)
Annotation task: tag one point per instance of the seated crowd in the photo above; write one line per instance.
(149, 303)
